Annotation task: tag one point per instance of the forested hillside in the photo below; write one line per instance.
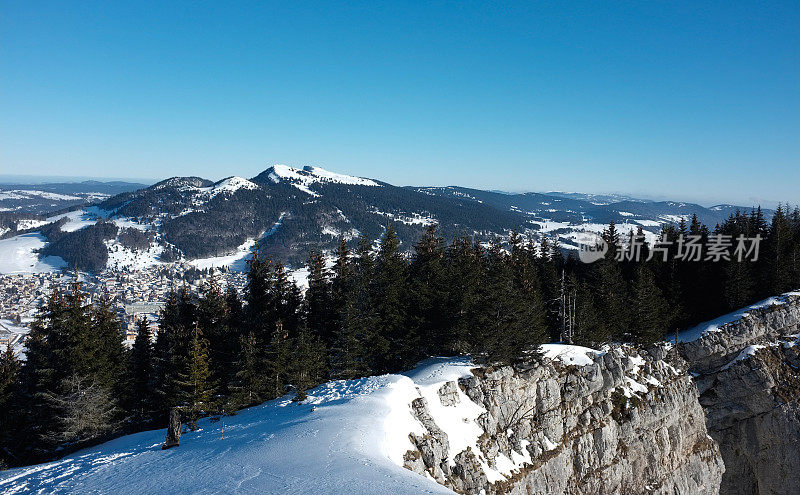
(372, 313)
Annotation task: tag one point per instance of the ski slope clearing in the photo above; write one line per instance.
(76, 220)
(345, 439)
(18, 255)
(694, 333)
(237, 261)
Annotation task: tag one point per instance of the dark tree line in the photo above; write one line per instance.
(375, 310)
(84, 248)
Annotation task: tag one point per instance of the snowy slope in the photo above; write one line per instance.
(344, 440)
(303, 178)
(18, 255)
(348, 437)
(225, 186)
(236, 261)
(76, 220)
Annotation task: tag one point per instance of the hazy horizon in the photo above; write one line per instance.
(33, 179)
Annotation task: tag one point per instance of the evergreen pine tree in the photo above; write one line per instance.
(141, 375)
(319, 306)
(648, 323)
(213, 320)
(277, 361)
(590, 330)
(463, 273)
(108, 351)
(428, 324)
(10, 405)
(393, 349)
(248, 386)
(308, 362)
(195, 388)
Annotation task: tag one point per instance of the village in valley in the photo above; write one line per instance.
(135, 294)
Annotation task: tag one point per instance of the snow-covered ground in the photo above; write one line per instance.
(226, 186)
(236, 261)
(587, 232)
(347, 438)
(18, 255)
(123, 258)
(18, 331)
(26, 193)
(303, 178)
(77, 220)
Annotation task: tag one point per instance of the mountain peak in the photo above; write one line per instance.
(303, 178)
(182, 182)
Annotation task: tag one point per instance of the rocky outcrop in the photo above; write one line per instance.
(626, 423)
(747, 376)
(765, 325)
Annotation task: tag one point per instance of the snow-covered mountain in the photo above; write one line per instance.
(291, 211)
(49, 197)
(301, 179)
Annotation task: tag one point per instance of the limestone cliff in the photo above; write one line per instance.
(624, 422)
(719, 414)
(747, 375)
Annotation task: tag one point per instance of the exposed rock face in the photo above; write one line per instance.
(747, 375)
(624, 424)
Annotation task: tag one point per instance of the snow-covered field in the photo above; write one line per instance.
(18, 255)
(77, 220)
(122, 258)
(236, 261)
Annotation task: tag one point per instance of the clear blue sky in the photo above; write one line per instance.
(684, 100)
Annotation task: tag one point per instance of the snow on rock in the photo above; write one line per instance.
(569, 354)
(744, 354)
(457, 421)
(745, 368)
(338, 441)
(712, 326)
(622, 421)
